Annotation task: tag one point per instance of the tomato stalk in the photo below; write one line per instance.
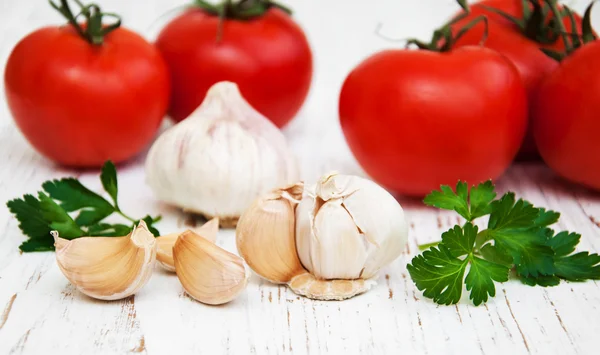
(443, 40)
(243, 10)
(572, 40)
(93, 31)
(534, 23)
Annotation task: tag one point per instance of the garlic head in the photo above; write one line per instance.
(108, 268)
(221, 158)
(349, 228)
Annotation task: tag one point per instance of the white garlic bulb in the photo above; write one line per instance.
(329, 245)
(221, 158)
(108, 268)
(348, 228)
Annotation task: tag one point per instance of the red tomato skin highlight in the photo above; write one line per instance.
(79, 104)
(566, 125)
(418, 119)
(268, 57)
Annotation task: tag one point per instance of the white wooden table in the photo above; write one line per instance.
(40, 312)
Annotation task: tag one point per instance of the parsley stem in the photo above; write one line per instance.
(125, 216)
(423, 247)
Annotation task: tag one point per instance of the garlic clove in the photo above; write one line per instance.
(338, 248)
(308, 285)
(164, 253)
(376, 213)
(265, 235)
(207, 272)
(221, 158)
(108, 268)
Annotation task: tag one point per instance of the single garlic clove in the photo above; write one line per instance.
(339, 252)
(308, 285)
(108, 268)
(265, 235)
(375, 212)
(207, 272)
(221, 158)
(164, 253)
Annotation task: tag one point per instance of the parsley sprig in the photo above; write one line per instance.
(517, 237)
(53, 208)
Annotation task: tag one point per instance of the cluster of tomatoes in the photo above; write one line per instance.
(465, 105)
(488, 87)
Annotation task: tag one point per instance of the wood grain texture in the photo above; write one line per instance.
(40, 312)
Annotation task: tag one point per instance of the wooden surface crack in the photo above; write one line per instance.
(6, 312)
(515, 319)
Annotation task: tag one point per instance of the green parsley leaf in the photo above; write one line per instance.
(109, 180)
(28, 212)
(109, 230)
(563, 243)
(449, 200)
(517, 236)
(459, 241)
(35, 245)
(74, 196)
(513, 228)
(39, 216)
(541, 280)
(578, 267)
(59, 219)
(508, 214)
(469, 205)
(481, 197)
(498, 256)
(546, 218)
(481, 277)
(438, 274)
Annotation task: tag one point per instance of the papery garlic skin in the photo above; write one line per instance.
(349, 228)
(221, 158)
(108, 268)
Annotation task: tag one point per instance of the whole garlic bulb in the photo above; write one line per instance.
(221, 158)
(108, 268)
(348, 228)
(327, 246)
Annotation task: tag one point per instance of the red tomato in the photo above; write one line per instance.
(268, 57)
(565, 123)
(81, 104)
(418, 119)
(506, 38)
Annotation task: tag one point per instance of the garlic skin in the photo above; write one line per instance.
(208, 273)
(108, 268)
(349, 228)
(221, 158)
(265, 235)
(165, 243)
